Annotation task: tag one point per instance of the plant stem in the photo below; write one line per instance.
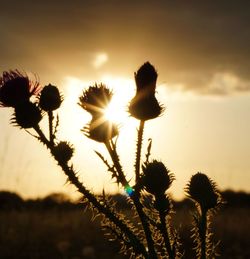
(115, 159)
(145, 224)
(43, 139)
(51, 135)
(69, 171)
(138, 151)
(135, 198)
(203, 232)
(165, 234)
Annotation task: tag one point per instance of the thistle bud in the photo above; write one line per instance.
(145, 79)
(203, 190)
(27, 115)
(156, 178)
(63, 151)
(100, 130)
(16, 88)
(95, 99)
(50, 98)
(144, 105)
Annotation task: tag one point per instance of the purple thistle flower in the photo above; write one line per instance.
(16, 88)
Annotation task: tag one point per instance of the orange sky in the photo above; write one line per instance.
(200, 51)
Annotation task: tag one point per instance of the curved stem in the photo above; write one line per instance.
(69, 171)
(138, 151)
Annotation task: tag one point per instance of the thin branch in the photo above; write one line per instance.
(138, 151)
(115, 158)
(110, 168)
(51, 117)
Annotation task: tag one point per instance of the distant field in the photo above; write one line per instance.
(54, 233)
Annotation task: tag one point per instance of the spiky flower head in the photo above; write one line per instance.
(156, 178)
(16, 88)
(144, 105)
(95, 99)
(63, 151)
(26, 115)
(100, 130)
(50, 98)
(203, 190)
(145, 79)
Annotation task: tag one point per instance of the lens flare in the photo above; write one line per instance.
(129, 190)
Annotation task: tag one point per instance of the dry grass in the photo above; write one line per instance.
(52, 234)
(70, 234)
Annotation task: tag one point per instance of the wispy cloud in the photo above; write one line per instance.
(100, 59)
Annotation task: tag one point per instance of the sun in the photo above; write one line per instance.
(123, 93)
(116, 111)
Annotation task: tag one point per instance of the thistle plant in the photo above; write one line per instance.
(203, 191)
(149, 233)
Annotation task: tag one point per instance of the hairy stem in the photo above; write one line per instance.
(135, 198)
(51, 135)
(138, 151)
(145, 224)
(113, 154)
(70, 173)
(165, 234)
(203, 232)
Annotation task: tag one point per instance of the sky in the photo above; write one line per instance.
(201, 53)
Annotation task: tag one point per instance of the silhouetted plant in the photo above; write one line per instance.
(204, 193)
(151, 235)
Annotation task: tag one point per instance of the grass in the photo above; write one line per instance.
(53, 233)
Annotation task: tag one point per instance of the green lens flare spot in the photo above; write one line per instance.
(129, 190)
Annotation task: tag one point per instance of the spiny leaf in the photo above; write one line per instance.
(110, 168)
(148, 150)
(56, 125)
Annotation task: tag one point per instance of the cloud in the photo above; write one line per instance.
(216, 83)
(223, 83)
(226, 83)
(195, 44)
(100, 59)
